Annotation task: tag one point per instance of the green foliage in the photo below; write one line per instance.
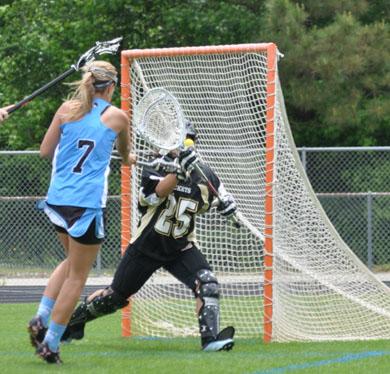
(323, 13)
(334, 74)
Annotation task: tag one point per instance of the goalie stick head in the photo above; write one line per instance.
(159, 120)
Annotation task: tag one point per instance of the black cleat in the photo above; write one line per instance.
(223, 342)
(47, 355)
(36, 331)
(73, 332)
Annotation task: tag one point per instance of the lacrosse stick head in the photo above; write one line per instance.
(159, 120)
(110, 46)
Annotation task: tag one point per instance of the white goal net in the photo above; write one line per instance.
(317, 288)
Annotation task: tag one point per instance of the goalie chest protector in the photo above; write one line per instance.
(166, 226)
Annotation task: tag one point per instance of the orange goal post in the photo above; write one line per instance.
(285, 274)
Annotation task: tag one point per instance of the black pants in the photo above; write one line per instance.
(136, 268)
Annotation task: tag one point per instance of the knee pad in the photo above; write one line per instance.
(208, 292)
(207, 284)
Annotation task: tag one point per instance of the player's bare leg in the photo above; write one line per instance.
(80, 260)
(37, 326)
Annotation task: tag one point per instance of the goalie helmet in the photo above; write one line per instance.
(190, 131)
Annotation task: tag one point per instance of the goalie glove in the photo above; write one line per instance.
(168, 165)
(227, 205)
(188, 158)
(165, 164)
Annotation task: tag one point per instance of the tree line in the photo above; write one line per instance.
(334, 74)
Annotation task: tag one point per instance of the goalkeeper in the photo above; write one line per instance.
(168, 203)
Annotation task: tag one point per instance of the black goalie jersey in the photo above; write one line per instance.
(166, 226)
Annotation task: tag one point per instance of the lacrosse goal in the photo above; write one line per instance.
(286, 274)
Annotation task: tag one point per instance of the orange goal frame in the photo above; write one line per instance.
(127, 56)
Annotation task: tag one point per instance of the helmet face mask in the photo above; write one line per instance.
(190, 131)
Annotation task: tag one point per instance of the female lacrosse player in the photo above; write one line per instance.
(168, 204)
(79, 141)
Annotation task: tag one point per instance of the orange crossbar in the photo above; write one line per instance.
(186, 51)
(271, 50)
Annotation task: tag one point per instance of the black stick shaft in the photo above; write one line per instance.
(44, 88)
(215, 192)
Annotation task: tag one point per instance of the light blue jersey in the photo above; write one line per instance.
(81, 161)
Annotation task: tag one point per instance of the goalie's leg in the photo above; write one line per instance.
(208, 305)
(100, 303)
(207, 291)
(192, 269)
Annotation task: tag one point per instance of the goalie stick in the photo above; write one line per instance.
(111, 47)
(160, 122)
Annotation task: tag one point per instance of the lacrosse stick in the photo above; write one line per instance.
(160, 122)
(100, 48)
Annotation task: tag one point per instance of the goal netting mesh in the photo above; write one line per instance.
(320, 289)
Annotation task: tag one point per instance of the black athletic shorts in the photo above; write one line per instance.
(136, 268)
(71, 214)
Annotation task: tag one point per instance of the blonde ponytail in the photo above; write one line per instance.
(82, 98)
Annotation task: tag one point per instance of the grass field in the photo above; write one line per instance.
(104, 351)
